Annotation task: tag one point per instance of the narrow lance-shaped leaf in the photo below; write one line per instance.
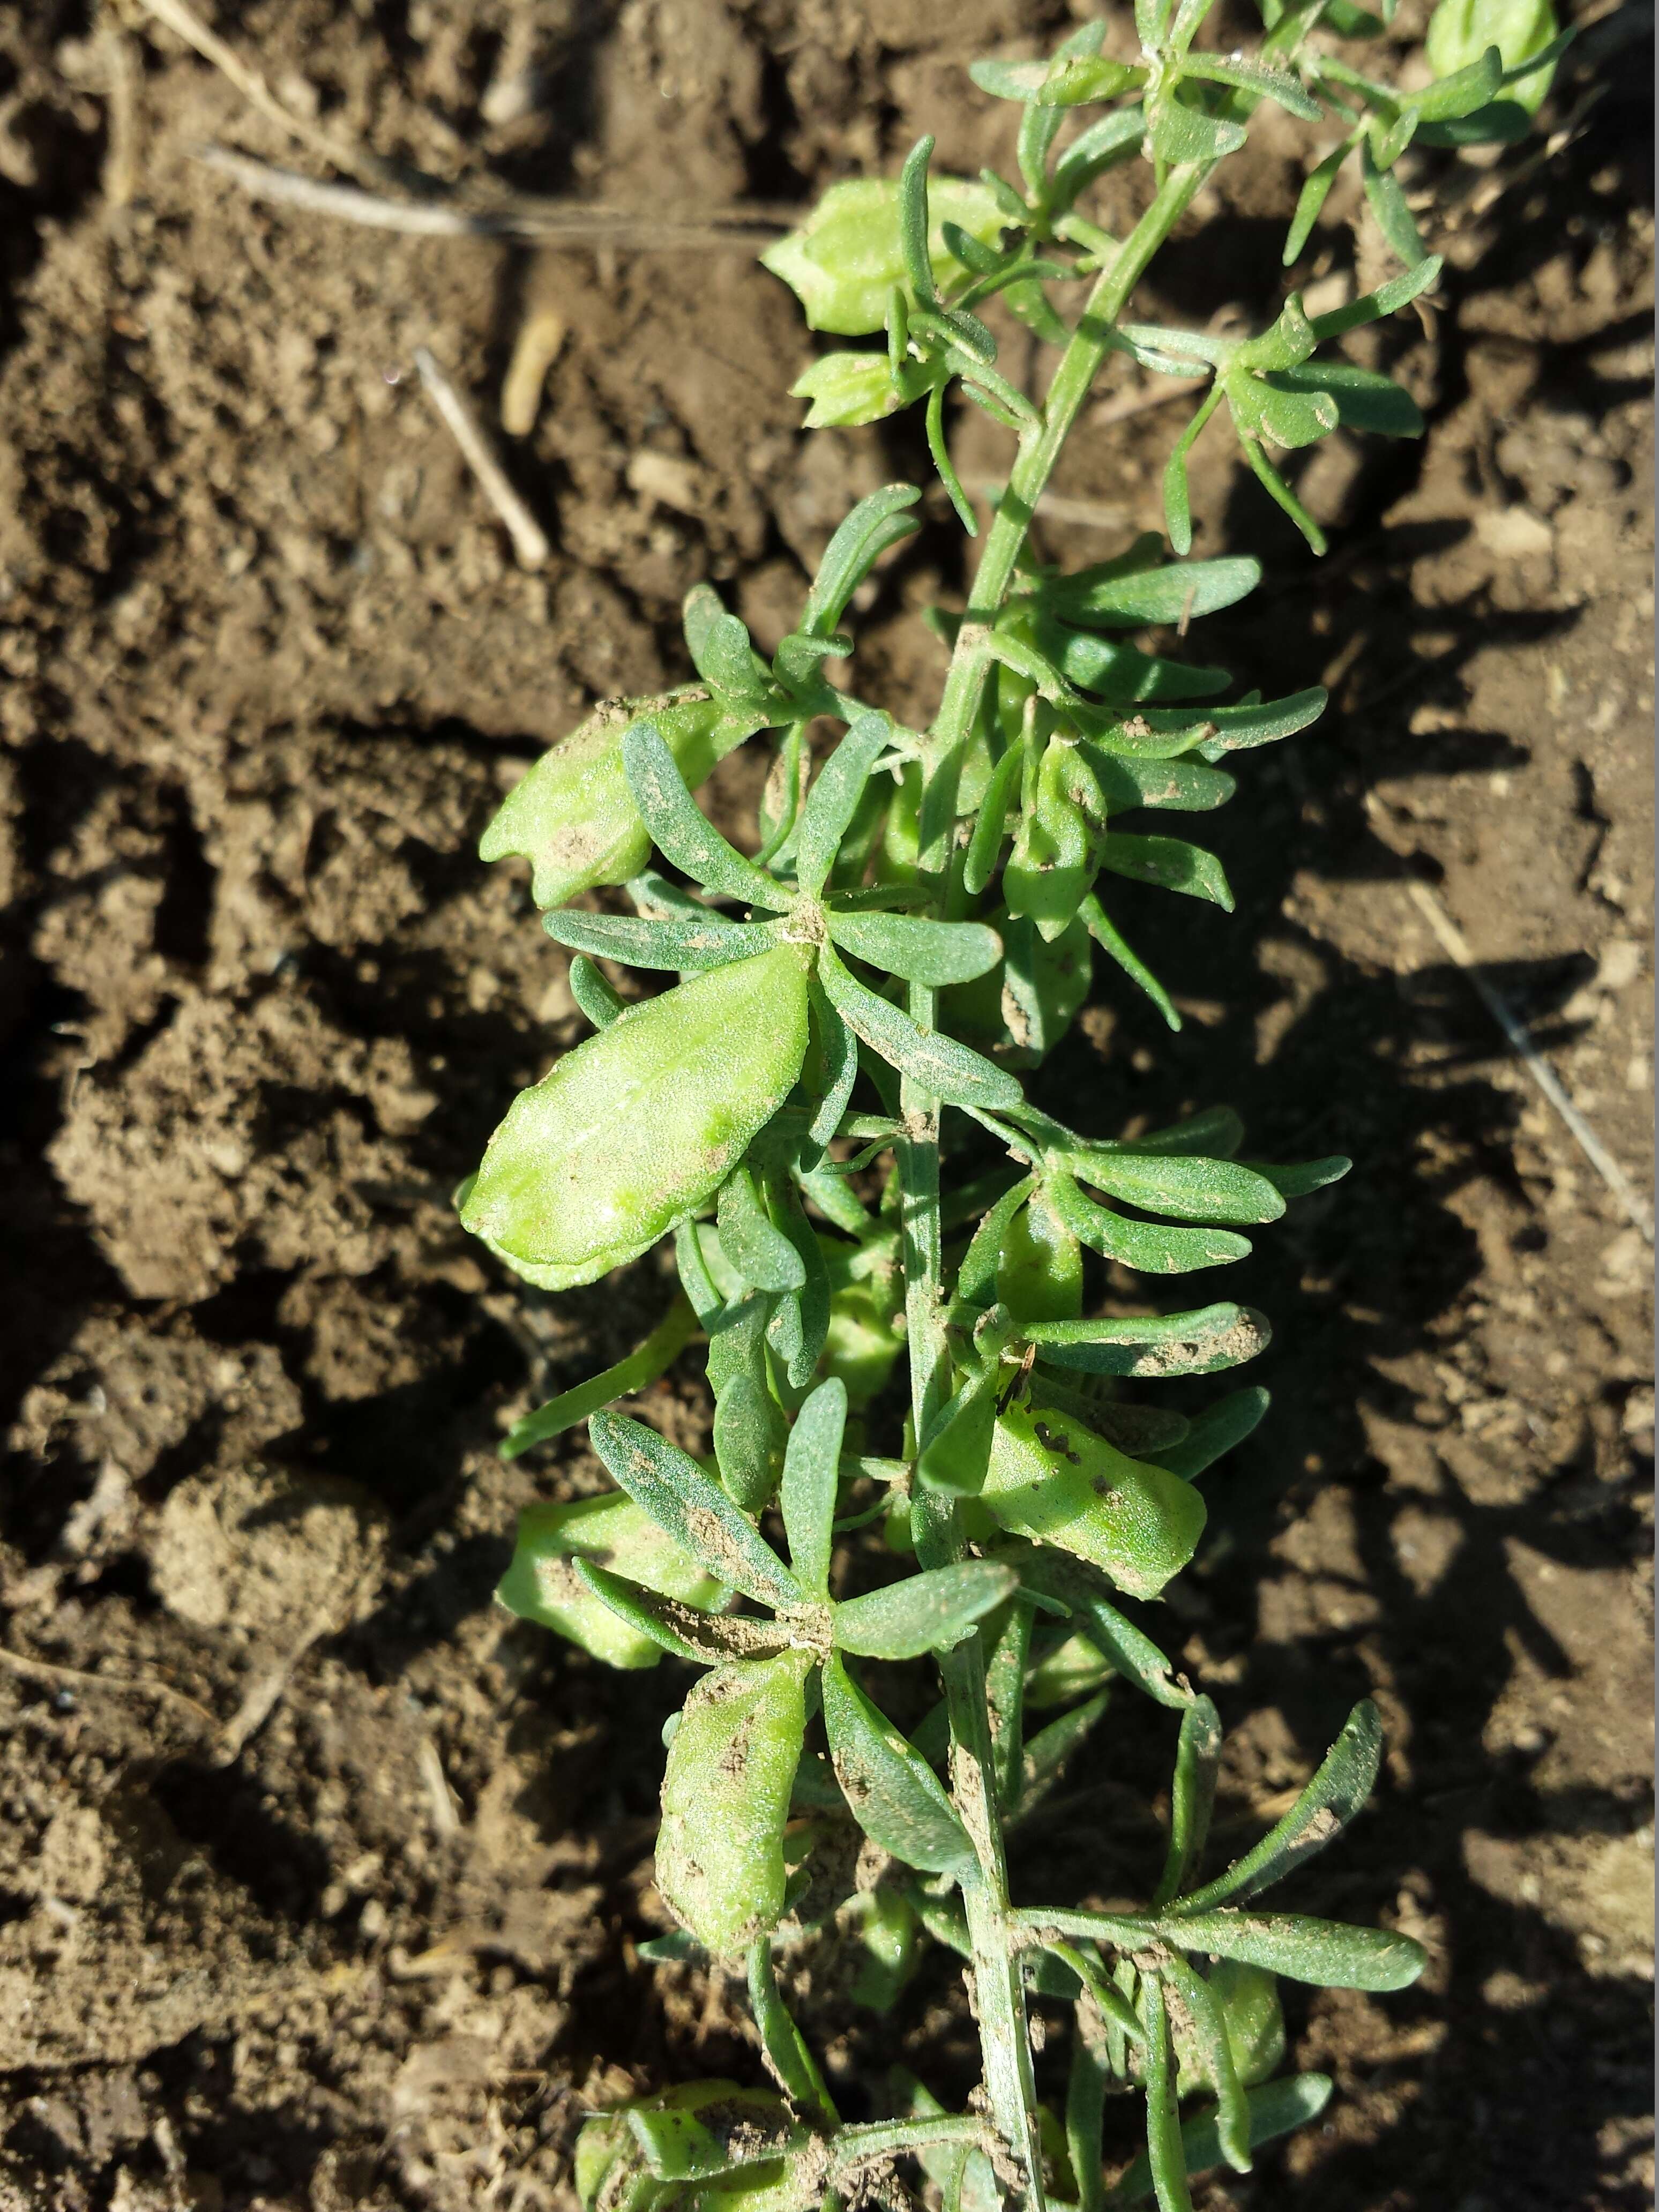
(913, 221)
(1168, 594)
(1310, 202)
(1187, 1992)
(1274, 2109)
(711, 941)
(684, 1632)
(598, 1002)
(1170, 863)
(1323, 1952)
(1149, 1247)
(990, 822)
(1277, 489)
(937, 1064)
(1111, 941)
(928, 1612)
(876, 523)
(940, 952)
(1214, 1432)
(637, 1372)
(783, 2040)
(695, 1511)
(1337, 1792)
(1189, 1189)
(1199, 1343)
(1046, 1755)
(1178, 506)
(760, 1253)
(1165, 2152)
(1256, 77)
(833, 800)
(892, 1791)
(811, 1470)
(840, 1068)
(1394, 218)
(683, 833)
(1132, 1653)
(1191, 1795)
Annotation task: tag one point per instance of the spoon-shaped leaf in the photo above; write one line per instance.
(895, 1795)
(811, 1471)
(1170, 863)
(1215, 1430)
(695, 1511)
(1150, 1247)
(762, 1255)
(1132, 1654)
(921, 952)
(925, 1612)
(1192, 1189)
(874, 524)
(683, 833)
(711, 941)
(937, 1064)
(1336, 1793)
(833, 800)
(1154, 1345)
(707, 1639)
(1326, 1952)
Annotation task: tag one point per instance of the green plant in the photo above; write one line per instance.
(919, 920)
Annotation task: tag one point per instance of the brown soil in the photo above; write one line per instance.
(319, 1881)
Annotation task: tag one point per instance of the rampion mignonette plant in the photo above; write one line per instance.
(856, 1006)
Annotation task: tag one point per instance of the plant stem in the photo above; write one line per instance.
(998, 1986)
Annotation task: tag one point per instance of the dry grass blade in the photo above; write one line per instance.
(530, 542)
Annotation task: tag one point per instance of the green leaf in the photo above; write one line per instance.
(939, 1064)
(1166, 2153)
(637, 1372)
(1323, 1952)
(1216, 1133)
(939, 953)
(1192, 1797)
(1256, 77)
(684, 1632)
(957, 1448)
(892, 1791)
(1337, 1792)
(1388, 199)
(695, 1512)
(1363, 401)
(1310, 202)
(1180, 591)
(1122, 675)
(1181, 134)
(1186, 1992)
(1289, 417)
(760, 1253)
(912, 221)
(1264, 722)
(1387, 299)
(1178, 506)
(976, 1278)
(840, 1067)
(1459, 94)
(1114, 138)
(719, 646)
(878, 521)
(1112, 942)
(1305, 1177)
(1191, 1189)
(1130, 1652)
(703, 2129)
(745, 1438)
(833, 799)
(1169, 862)
(811, 1471)
(1147, 1246)
(1281, 494)
(638, 1126)
(1213, 1432)
(928, 1612)
(990, 822)
(683, 833)
(1048, 1754)
(782, 2041)
(726, 1800)
(1156, 1345)
(598, 1001)
(1274, 2109)
(1040, 1272)
(693, 946)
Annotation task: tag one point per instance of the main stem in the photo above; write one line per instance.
(998, 1986)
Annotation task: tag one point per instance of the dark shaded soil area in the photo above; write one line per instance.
(319, 1879)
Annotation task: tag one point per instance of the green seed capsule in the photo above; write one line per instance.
(542, 1585)
(1040, 1272)
(726, 1800)
(1051, 1478)
(1052, 865)
(844, 261)
(573, 817)
(639, 1125)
